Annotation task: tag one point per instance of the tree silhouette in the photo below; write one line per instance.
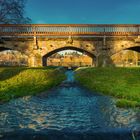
(12, 12)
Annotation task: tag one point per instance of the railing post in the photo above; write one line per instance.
(104, 40)
(138, 29)
(35, 45)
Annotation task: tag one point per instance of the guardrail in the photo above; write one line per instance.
(68, 29)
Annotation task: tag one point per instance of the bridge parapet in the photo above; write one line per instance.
(69, 29)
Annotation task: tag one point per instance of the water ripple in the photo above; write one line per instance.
(71, 107)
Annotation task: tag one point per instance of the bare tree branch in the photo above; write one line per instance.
(12, 12)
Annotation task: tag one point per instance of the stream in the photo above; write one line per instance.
(70, 112)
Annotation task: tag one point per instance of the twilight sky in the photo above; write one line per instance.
(84, 11)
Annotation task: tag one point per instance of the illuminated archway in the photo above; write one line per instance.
(45, 57)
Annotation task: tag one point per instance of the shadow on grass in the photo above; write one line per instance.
(29, 82)
(9, 72)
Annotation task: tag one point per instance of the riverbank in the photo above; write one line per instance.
(21, 81)
(121, 83)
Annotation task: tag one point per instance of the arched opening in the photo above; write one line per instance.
(62, 60)
(127, 57)
(136, 49)
(12, 58)
(4, 49)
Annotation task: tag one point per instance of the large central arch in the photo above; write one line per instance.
(44, 58)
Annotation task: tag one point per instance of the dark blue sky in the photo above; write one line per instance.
(84, 11)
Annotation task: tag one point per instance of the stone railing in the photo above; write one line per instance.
(69, 29)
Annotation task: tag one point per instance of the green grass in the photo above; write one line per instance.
(17, 82)
(122, 83)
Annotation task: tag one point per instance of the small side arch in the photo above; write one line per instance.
(11, 57)
(133, 48)
(4, 49)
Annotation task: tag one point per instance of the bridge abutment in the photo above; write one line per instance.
(104, 60)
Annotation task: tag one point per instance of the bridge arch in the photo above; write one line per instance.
(134, 48)
(12, 57)
(131, 48)
(4, 49)
(45, 57)
(127, 56)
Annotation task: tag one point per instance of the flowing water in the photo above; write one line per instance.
(68, 111)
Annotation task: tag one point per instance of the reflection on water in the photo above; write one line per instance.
(69, 106)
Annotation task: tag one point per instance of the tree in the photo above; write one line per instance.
(12, 12)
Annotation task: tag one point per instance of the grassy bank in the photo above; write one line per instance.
(17, 82)
(122, 83)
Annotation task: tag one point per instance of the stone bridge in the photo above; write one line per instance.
(40, 41)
